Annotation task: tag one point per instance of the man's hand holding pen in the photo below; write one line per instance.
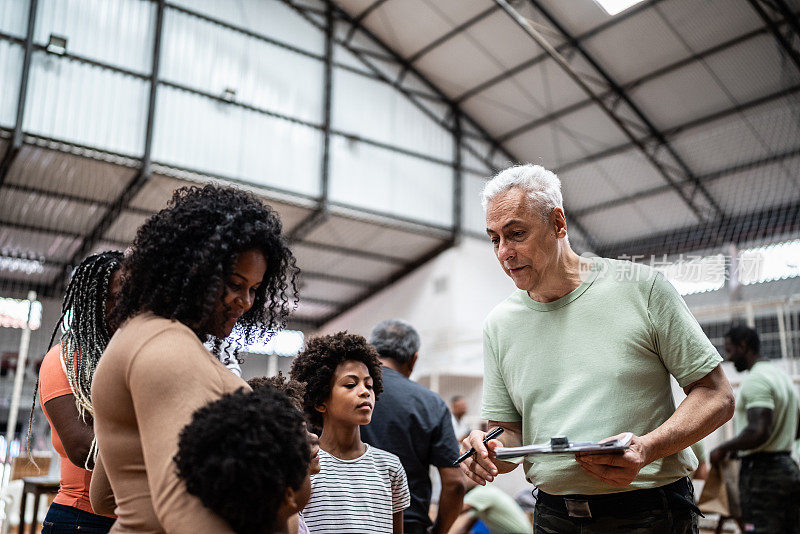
(480, 465)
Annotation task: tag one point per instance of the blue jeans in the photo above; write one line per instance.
(62, 519)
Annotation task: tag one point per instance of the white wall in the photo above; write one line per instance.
(446, 300)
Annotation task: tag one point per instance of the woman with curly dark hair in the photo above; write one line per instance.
(359, 488)
(212, 260)
(256, 479)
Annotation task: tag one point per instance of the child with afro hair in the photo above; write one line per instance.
(246, 457)
(294, 390)
(359, 488)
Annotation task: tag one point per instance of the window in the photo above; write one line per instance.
(696, 275)
(14, 313)
(772, 262)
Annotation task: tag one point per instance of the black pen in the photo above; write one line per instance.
(490, 436)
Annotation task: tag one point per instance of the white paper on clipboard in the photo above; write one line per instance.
(562, 445)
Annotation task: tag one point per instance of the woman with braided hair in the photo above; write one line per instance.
(64, 386)
(213, 260)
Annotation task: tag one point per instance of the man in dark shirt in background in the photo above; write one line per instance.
(414, 423)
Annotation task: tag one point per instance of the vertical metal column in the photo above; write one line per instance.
(16, 140)
(319, 215)
(458, 176)
(121, 202)
(327, 104)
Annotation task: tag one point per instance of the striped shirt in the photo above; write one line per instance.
(357, 496)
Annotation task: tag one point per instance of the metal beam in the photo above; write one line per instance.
(672, 132)
(320, 214)
(360, 18)
(336, 249)
(130, 191)
(673, 171)
(430, 47)
(71, 198)
(768, 10)
(562, 48)
(759, 225)
(390, 280)
(484, 135)
(16, 139)
(633, 84)
(244, 31)
(704, 178)
(55, 232)
(458, 176)
(325, 277)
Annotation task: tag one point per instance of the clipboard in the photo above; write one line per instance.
(561, 445)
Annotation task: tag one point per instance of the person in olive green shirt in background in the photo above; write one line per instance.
(585, 348)
(767, 411)
(499, 511)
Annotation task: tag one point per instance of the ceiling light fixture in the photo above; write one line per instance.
(57, 45)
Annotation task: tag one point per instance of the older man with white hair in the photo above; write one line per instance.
(585, 349)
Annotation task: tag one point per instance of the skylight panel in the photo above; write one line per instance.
(612, 7)
(768, 263)
(696, 275)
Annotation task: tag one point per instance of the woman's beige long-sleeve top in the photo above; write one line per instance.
(152, 376)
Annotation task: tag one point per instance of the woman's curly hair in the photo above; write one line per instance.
(316, 367)
(240, 453)
(183, 256)
(291, 388)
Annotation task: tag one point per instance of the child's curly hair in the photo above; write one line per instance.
(317, 364)
(291, 388)
(240, 453)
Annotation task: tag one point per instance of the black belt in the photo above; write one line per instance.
(624, 503)
(764, 456)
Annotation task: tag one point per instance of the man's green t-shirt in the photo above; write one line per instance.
(593, 364)
(498, 510)
(766, 386)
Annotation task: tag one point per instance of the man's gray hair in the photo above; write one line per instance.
(396, 339)
(543, 187)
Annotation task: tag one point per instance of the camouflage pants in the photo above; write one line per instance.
(674, 517)
(769, 488)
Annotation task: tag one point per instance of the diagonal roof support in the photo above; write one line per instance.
(704, 178)
(662, 71)
(700, 121)
(660, 154)
(771, 12)
(564, 48)
(436, 43)
(404, 65)
(753, 226)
